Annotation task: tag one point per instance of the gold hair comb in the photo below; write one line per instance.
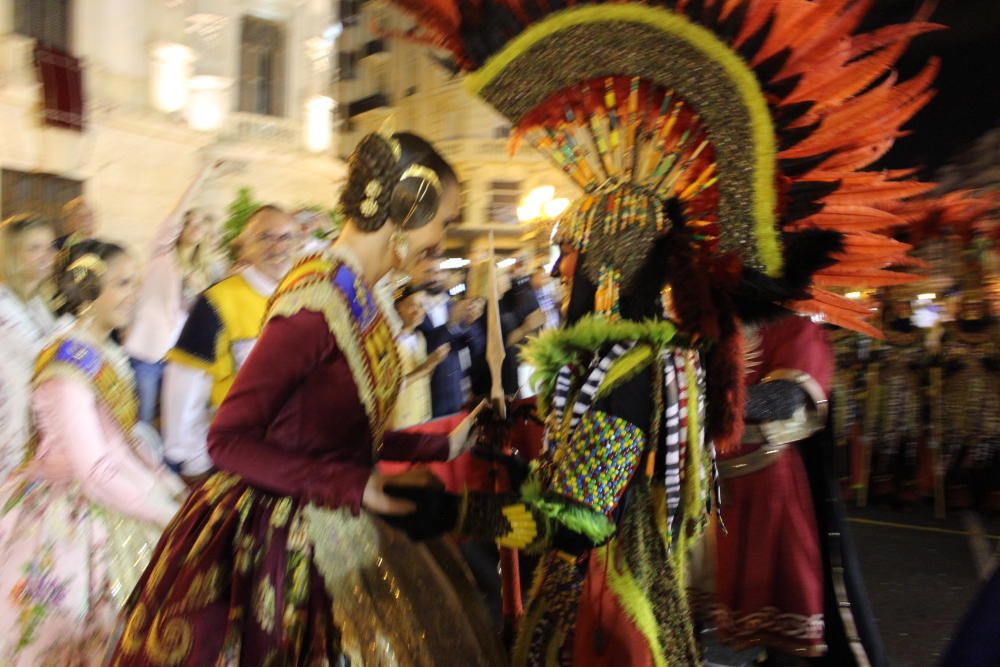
(89, 263)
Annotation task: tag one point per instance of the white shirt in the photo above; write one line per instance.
(186, 401)
(25, 328)
(436, 307)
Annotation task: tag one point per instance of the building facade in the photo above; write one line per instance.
(378, 77)
(151, 91)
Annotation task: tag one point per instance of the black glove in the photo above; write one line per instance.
(517, 468)
(773, 401)
(436, 513)
(572, 542)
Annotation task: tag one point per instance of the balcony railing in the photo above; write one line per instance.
(254, 128)
(370, 103)
(374, 48)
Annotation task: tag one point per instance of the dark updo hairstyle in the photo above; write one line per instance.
(79, 274)
(408, 200)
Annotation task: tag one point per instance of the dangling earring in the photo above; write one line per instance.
(400, 245)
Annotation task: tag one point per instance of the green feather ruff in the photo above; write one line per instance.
(597, 527)
(555, 348)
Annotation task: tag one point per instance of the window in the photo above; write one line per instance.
(464, 188)
(347, 65)
(47, 21)
(504, 198)
(262, 67)
(44, 194)
(350, 11)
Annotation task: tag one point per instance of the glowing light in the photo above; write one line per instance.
(206, 105)
(927, 296)
(453, 263)
(168, 79)
(555, 207)
(541, 194)
(853, 295)
(538, 202)
(319, 123)
(528, 212)
(505, 263)
(333, 31)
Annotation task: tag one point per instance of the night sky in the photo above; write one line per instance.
(968, 101)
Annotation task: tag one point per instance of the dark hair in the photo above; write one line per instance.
(375, 160)
(405, 292)
(78, 281)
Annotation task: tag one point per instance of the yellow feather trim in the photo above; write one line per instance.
(635, 604)
(624, 368)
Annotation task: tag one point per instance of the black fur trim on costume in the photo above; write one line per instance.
(759, 297)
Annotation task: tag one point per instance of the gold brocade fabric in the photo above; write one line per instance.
(358, 322)
(394, 602)
(114, 386)
(243, 577)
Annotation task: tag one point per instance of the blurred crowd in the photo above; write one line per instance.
(194, 306)
(903, 406)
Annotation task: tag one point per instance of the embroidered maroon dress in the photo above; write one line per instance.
(272, 561)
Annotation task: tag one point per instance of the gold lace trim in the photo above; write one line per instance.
(316, 293)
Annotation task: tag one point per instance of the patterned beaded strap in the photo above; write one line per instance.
(559, 401)
(716, 488)
(585, 397)
(681, 365)
(672, 421)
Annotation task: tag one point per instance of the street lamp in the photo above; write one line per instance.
(555, 207)
(532, 207)
(169, 73)
(540, 207)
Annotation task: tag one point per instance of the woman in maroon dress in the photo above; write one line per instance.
(278, 559)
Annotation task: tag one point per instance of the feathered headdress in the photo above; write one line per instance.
(760, 117)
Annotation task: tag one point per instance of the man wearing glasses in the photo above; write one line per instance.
(224, 324)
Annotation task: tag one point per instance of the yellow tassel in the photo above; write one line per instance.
(523, 528)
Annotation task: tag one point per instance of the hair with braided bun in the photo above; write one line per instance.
(374, 161)
(78, 287)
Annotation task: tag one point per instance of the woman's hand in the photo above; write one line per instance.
(376, 500)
